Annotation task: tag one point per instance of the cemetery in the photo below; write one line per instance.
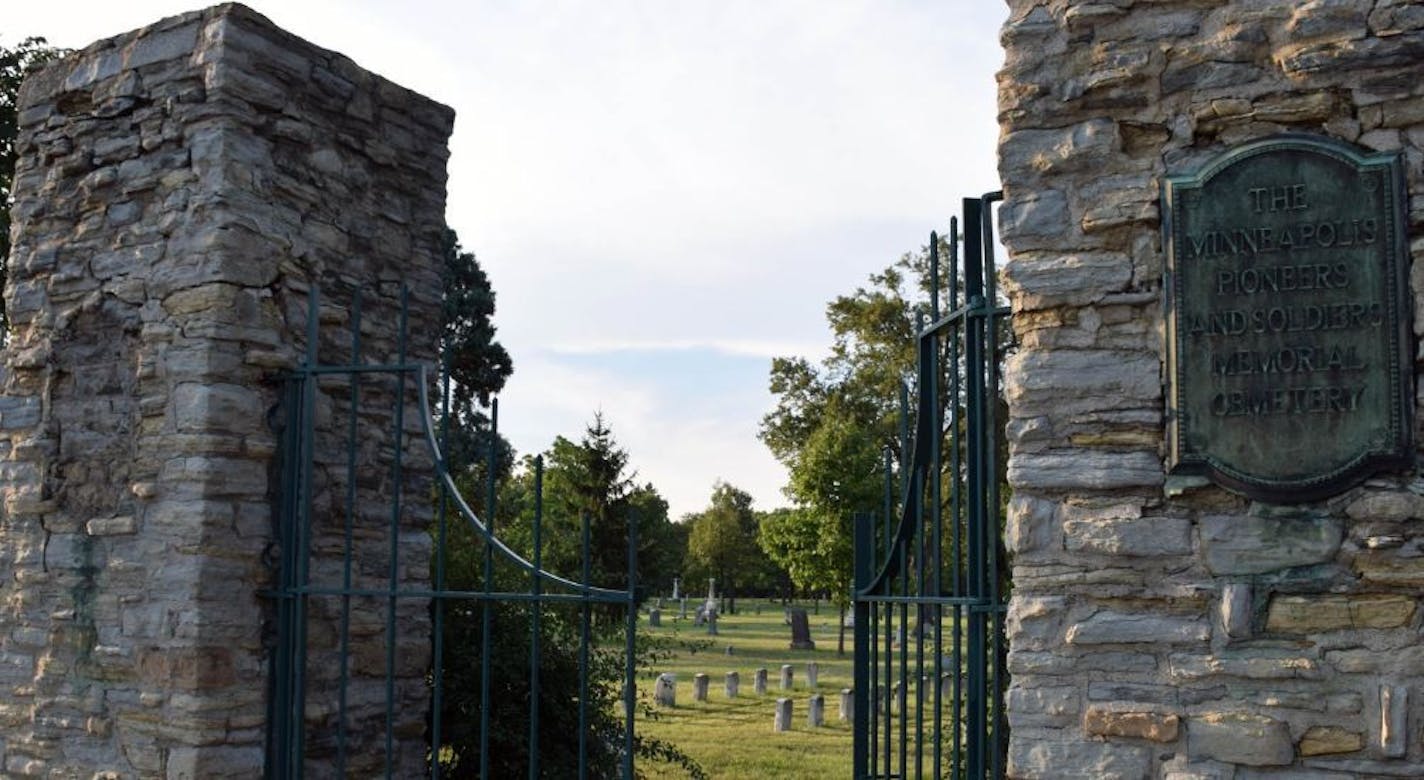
(736, 735)
(1142, 499)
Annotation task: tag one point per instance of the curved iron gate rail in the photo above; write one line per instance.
(292, 722)
(939, 554)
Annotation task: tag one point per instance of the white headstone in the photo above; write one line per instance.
(665, 690)
(816, 712)
(783, 715)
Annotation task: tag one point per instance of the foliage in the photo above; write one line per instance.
(478, 365)
(587, 477)
(832, 422)
(721, 543)
(15, 63)
(591, 478)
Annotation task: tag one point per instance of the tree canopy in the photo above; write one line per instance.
(832, 423)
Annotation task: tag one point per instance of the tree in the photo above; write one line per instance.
(721, 543)
(15, 64)
(833, 421)
(591, 477)
(478, 365)
(837, 472)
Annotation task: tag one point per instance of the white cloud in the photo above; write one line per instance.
(640, 178)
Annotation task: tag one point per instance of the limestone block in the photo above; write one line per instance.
(1235, 610)
(1085, 469)
(1041, 759)
(1031, 524)
(1262, 663)
(1256, 545)
(1394, 719)
(1044, 704)
(1062, 383)
(1323, 740)
(1132, 693)
(1405, 661)
(1034, 220)
(1103, 721)
(1332, 612)
(1386, 568)
(1046, 280)
(1108, 627)
(1394, 505)
(1240, 738)
(1078, 147)
(1035, 622)
(1128, 536)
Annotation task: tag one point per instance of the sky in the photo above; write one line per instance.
(666, 193)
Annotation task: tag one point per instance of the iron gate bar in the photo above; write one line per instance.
(286, 734)
(914, 527)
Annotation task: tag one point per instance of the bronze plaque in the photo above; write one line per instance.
(1290, 358)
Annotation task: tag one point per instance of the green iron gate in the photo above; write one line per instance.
(363, 607)
(928, 588)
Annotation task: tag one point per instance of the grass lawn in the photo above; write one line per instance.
(733, 738)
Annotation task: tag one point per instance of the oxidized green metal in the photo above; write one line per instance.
(937, 710)
(292, 727)
(1290, 358)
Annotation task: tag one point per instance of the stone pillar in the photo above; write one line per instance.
(734, 683)
(816, 711)
(178, 189)
(665, 690)
(782, 720)
(699, 687)
(847, 710)
(813, 671)
(759, 682)
(786, 673)
(1170, 627)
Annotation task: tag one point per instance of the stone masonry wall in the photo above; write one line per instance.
(1165, 628)
(179, 189)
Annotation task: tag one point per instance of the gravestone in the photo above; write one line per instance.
(801, 631)
(699, 687)
(847, 705)
(655, 617)
(816, 711)
(759, 682)
(782, 720)
(786, 675)
(813, 671)
(665, 690)
(711, 622)
(733, 684)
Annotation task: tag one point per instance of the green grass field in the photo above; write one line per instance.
(733, 738)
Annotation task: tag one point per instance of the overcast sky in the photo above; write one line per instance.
(666, 193)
